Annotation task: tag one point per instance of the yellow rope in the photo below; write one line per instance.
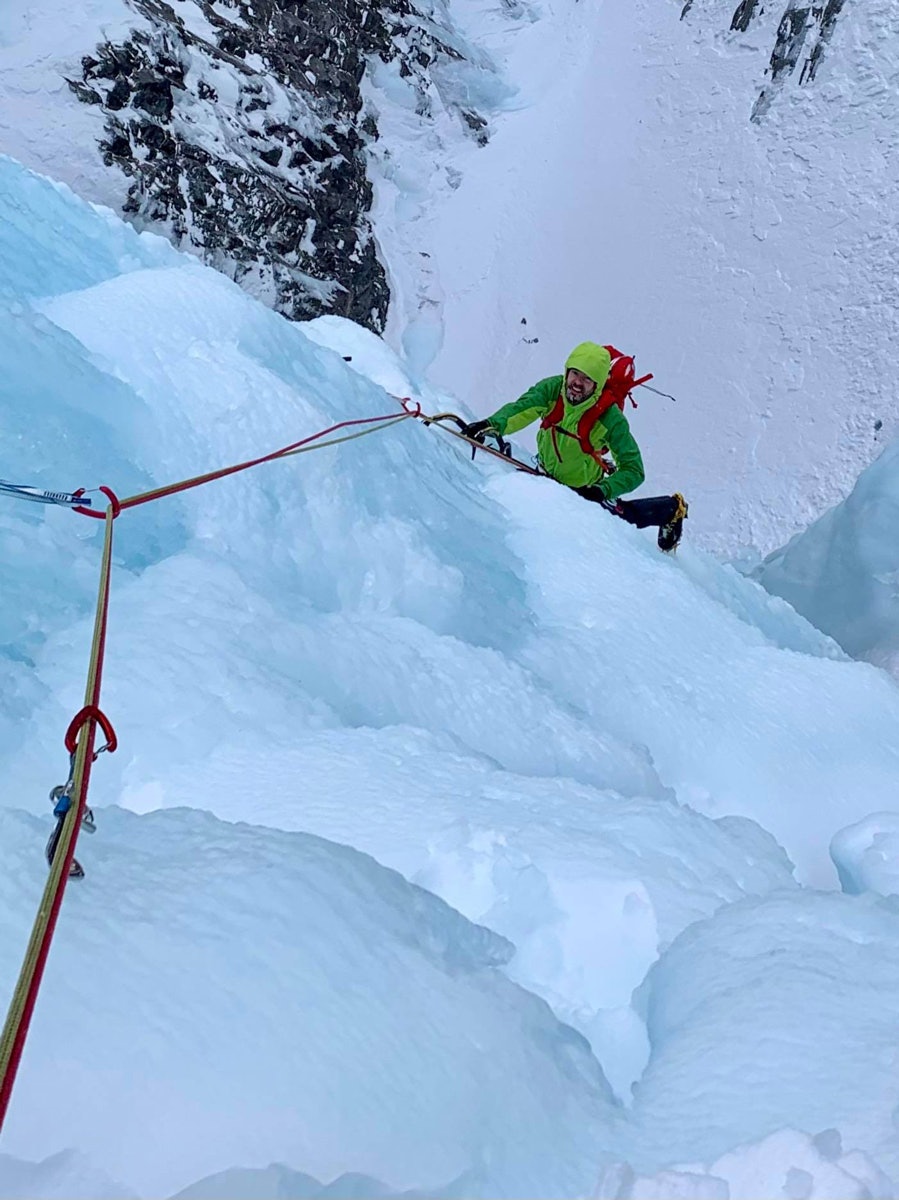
(21, 1006)
(197, 480)
(29, 980)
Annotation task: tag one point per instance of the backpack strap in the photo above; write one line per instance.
(551, 422)
(616, 390)
(555, 414)
(585, 427)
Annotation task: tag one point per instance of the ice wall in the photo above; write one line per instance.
(484, 682)
(224, 994)
(841, 571)
(775, 1012)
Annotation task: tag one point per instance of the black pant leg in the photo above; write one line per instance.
(653, 510)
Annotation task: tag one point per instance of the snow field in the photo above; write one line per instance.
(626, 197)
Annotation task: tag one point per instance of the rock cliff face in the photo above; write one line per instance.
(803, 34)
(241, 126)
(802, 38)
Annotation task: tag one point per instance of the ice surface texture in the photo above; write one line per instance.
(842, 571)
(736, 996)
(234, 994)
(485, 683)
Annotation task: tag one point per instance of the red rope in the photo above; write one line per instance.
(111, 497)
(91, 715)
(9, 1078)
(411, 408)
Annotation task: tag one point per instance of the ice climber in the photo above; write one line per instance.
(584, 440)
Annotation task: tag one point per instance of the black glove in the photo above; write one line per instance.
(596, 494)
(477, 429)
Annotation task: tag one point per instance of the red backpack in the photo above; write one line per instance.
(616, 390)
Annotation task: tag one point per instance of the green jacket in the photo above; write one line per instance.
(562, 457)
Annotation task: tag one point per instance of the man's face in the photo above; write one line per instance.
(578, 386)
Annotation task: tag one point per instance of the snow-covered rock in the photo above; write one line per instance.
(239, 130)
(803, 35)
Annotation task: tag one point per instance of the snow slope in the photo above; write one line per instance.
(570, 740)
(627, 197)
(41, 122)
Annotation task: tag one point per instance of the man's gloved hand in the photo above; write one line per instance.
(597, 495)
(477, 429)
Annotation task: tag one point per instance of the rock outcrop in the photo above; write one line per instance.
(242, 128)
(803, 34)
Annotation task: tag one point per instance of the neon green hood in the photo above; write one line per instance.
(593, 360)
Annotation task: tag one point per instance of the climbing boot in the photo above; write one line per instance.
(672, 531)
